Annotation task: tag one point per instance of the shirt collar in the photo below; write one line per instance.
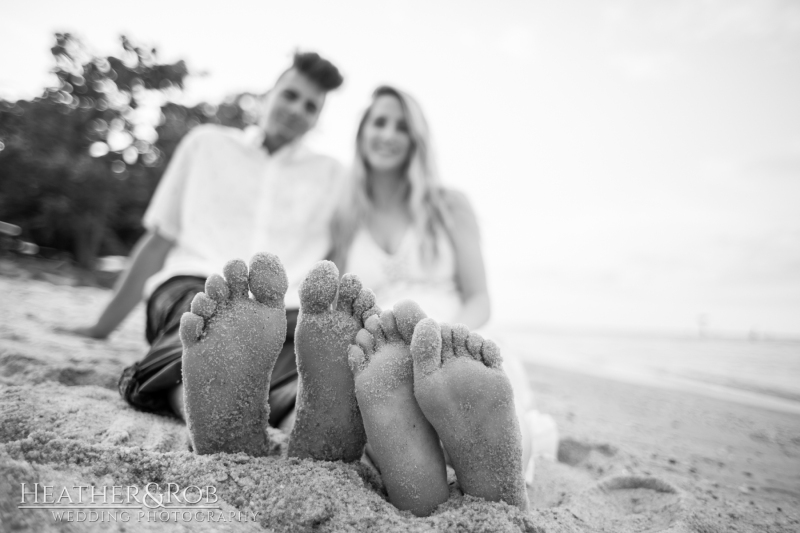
(255, 138)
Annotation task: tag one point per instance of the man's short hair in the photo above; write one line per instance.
(317, 69)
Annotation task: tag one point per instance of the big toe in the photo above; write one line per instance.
(235, 272)
(319, 288)
(267, 279)
(426, 347)
(407, 314)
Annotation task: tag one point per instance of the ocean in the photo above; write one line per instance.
(765, 373)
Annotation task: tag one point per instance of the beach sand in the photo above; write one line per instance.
(632, 458)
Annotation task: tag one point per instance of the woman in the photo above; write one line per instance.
(397, 228)
(407, 237)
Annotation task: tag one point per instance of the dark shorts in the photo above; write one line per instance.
(146, 385)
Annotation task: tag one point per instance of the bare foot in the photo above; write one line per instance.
(404, 444)
(230, 344)
(468, 399)
(328, 425)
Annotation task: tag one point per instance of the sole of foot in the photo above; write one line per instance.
(466, 396)
(328, 426)
(230, 344)
(403, 443)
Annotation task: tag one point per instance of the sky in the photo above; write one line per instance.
(634, 165)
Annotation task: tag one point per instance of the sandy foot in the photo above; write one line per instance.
(404, 443)
(230, 344)
(328, 425)
(468, 399)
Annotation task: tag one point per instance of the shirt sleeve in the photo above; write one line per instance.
(164, 212)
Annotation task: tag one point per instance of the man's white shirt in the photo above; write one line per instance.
(223, 196)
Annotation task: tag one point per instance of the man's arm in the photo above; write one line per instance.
(147, 258)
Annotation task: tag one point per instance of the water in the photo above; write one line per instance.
(764, 373)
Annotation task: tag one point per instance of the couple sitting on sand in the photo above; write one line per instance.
(228, 193)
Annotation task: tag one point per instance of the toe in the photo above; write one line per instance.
(267, 280)
(373, 326)
(366, 342)
(460, 335)
(235, 273)
(408, 314)
(319, 288)
(474, 343)
(490, 353)
(364, 302)
(217, 288)
(389, 326)
(426, 347)
(191, 328)
(447, 343)
(203, 306)
(349, 289)
(357, 359)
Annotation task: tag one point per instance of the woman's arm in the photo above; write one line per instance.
(147, 258)
(470, 271)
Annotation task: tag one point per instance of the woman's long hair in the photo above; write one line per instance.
(425, 196)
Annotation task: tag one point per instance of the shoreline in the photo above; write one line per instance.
(744, 395)
(761, 374)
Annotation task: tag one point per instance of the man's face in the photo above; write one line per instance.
(292, 107)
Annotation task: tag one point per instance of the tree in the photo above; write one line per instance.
(79, 164)
(75, 157)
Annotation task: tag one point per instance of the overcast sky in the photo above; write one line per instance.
(635, 165)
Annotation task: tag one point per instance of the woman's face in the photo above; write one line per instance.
(385, 141)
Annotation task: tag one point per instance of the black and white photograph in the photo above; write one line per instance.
(489, 266)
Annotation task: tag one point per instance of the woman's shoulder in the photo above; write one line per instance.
(457, 210)
(452, 196)
(455, 202)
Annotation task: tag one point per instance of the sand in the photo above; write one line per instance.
(632, 458)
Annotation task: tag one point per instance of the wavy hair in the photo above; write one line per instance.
(425, 196)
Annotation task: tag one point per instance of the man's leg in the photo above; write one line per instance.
(283, 387)
(149, 384)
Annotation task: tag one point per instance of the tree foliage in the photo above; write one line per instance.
(79, 163)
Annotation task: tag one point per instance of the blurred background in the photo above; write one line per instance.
(635, 166)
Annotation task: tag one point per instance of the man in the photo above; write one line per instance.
(228, 194)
